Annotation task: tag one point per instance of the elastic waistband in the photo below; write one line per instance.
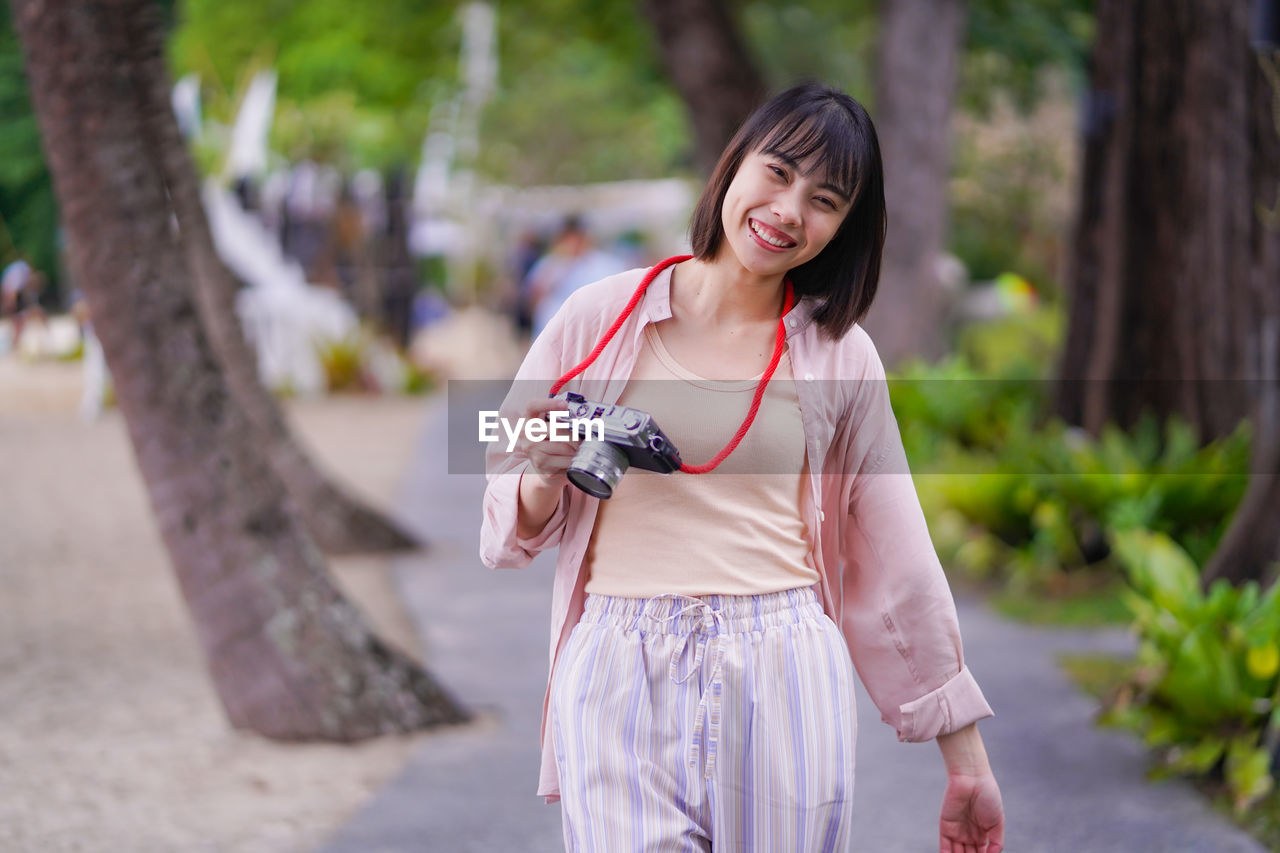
(681, 614)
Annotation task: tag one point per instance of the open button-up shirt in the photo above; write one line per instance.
(881, 579)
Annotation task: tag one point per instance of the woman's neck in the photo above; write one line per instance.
(724, 293)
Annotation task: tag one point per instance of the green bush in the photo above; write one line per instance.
(1021, 499)
(1021, 346)
(1204, 690)
(1017, 499)
(951, 405)
(1053, 498)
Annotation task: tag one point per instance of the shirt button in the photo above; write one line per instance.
(791, 321)
(808, 377)
(822, 516)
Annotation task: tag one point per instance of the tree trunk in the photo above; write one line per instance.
(1083, 273)
(1175, 278)
(1250, 549)
(916, 78)
(339, 523)
(705, 58)
(289, 656)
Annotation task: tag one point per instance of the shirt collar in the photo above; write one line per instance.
(657, 299)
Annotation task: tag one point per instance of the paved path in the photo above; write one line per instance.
(1067, 785)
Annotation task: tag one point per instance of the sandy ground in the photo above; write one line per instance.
(111, 737)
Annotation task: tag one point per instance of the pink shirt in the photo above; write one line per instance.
(881, 579)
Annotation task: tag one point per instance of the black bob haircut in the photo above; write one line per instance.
(814, 121)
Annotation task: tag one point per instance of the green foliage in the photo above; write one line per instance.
(1051, 498)
(335, 128)
(384, 52)
(579, 94)
(580, 98)
(356, 80)
(950, 406)
(1028, 502)
(1012, 187)
(343, 363)
(1017, 348)
(828, 40)
(28, 211)
(1262, 820)
(1205, 686)
(1010, 42)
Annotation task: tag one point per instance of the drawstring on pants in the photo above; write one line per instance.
(706, 724)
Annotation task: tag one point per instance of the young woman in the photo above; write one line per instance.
(705, 625)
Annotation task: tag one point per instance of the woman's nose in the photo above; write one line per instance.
(787, 210)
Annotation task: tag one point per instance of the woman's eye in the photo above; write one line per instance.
(826, 201)
(777, 170)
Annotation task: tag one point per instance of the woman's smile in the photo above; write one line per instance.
(769, 237)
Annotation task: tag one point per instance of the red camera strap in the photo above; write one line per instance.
(779, 341)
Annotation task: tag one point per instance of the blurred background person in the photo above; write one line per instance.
(95, 379)
(20, 287)
(529, 249)
(573, 261)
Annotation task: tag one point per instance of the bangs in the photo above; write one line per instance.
(825, 139)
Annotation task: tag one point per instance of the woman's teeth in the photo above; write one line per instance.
(768, 238)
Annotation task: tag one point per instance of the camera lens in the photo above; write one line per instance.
(597, 467)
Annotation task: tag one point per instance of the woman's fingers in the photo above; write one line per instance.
(541, 408)
(550, 456)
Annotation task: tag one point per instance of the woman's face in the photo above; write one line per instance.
(778, 214)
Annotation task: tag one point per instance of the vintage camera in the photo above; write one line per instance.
(631, 437)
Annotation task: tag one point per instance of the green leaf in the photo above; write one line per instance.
(1199, 758)
(1162, 570)
(1134, 718)
(1162, 729)
(1248, 773)
(1202, 683)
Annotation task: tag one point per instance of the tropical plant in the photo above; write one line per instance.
(1205, 687)
(1015, 498)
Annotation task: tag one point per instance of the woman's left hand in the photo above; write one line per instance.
(972, 815)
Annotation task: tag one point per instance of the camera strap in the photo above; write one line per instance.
(779, 341)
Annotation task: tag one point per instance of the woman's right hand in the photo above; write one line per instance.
(549, 460)
(545, 478)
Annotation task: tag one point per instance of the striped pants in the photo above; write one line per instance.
(723, 723)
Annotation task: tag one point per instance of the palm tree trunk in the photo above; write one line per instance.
(289, 656)
(340, 523)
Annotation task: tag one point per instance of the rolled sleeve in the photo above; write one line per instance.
(951, 707)
(500, 546)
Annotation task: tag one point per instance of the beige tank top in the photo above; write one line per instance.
(734, 531)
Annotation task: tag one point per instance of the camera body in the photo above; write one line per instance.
(631, 438)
